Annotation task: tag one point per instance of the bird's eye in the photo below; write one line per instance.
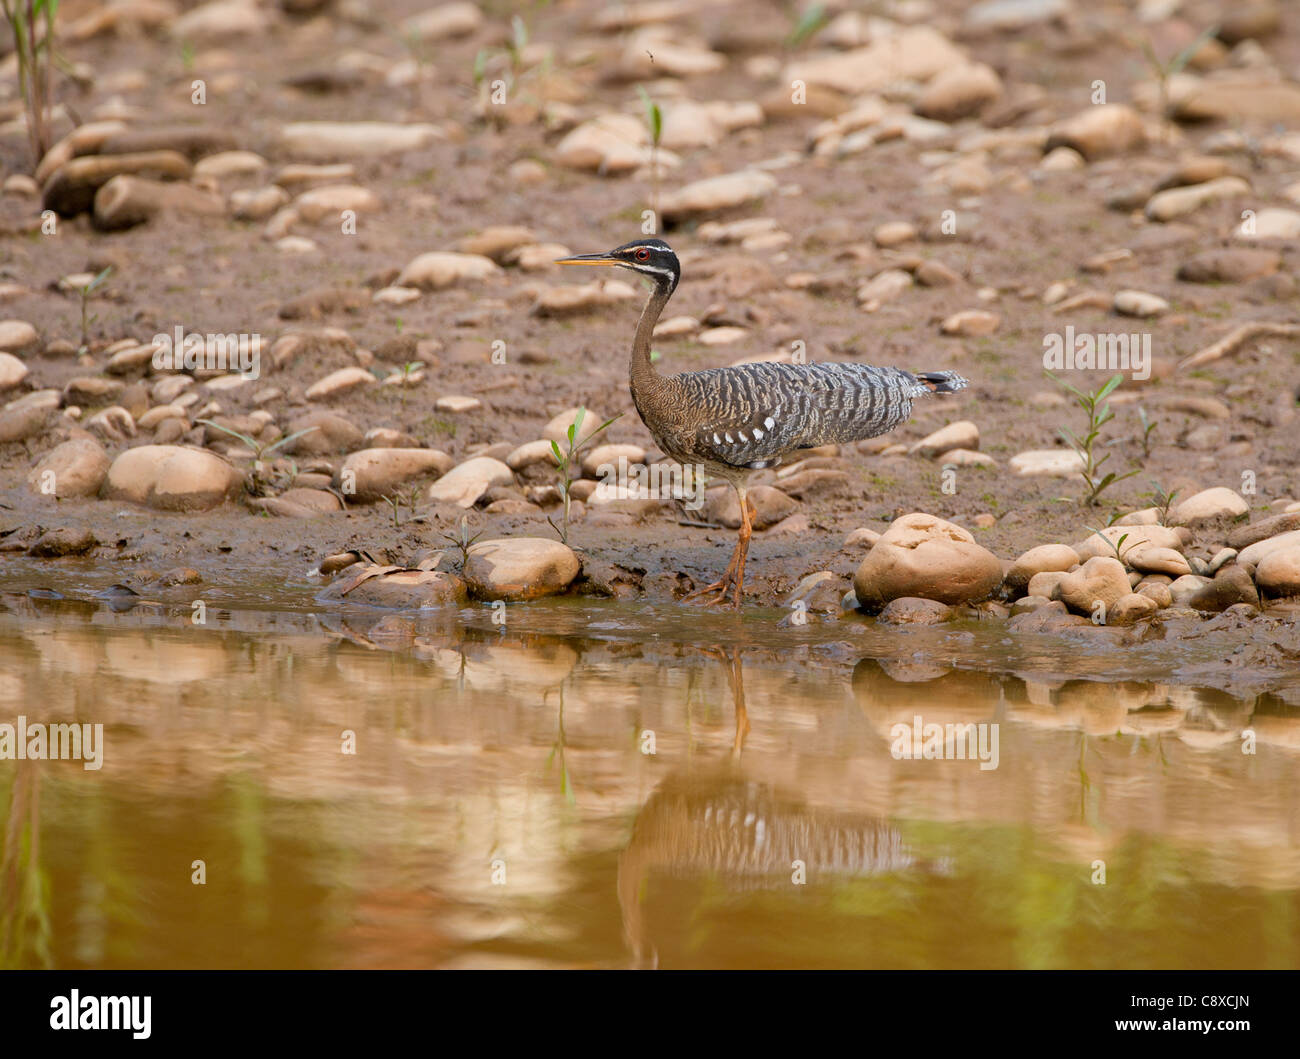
(643, 254)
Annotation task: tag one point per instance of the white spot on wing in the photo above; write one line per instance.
(717, 440)
(729, 441)
(758, 434)
(770, 423)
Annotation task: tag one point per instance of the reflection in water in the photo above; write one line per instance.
(503, 806)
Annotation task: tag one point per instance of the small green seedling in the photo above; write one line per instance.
(1085, 446)
(463, 542)
(567, 459)
(86, 293)
(260, 482)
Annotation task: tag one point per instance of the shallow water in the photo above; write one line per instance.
(503, 806)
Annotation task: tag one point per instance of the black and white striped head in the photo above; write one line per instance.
(651, 257)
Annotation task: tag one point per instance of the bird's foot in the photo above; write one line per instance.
(728, 584)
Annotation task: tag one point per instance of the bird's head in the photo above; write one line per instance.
(651, 257)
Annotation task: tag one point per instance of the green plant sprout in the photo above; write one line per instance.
(1099, 414)
(1148, 428)
(85, 293)
(812, 19)
(261, 452)
(463, 542)
(410, 499)
(654, 122)
(32, 25)
(1117, 545)
(1161, 501)
(1163, 71)
(565, 461)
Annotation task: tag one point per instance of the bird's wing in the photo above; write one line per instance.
(753, 414)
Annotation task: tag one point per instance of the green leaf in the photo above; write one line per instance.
(250, 442)
(810, 22)
(286, 439)
(519, 30)
(1109, 388)
(1180, 60)
(555, 451)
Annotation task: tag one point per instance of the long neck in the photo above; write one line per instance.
(642, 371)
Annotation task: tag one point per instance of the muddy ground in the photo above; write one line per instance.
(1028, 230)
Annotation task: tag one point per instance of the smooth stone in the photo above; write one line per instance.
(325, 140)
(717, 193)
(457, 19)
(914, 53)
(1045, 558)
(1100, 579)
(1278, 573)
(608, 144)
(401, 590)
(927, 557)
(960, 435)
(1140, 304)
(860, 536)
(1131, 608)
(520, 568)
(1185, 588)
(465, 484)
(1272, 223)
(1231, 585)
(328, 432)
(61, 542)
(1160, 593)
(338, 383)
(1055, 463)
(457, 404)
(172, 478)
(1150, 559)
(1045, 583)
(440, 269)
(1252, 533)
(531, 453)
(1134, 537)
(1178, 202)
(78, 468)
(971, 322)
(1100, 131)
(18, 336)
(771, 506)
(1257, 552)
(370, 474)
(12, 371)
(608, 456)
(1207, 505)
(1229, 266)
(959, 92)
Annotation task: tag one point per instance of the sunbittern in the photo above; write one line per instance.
(737, 420)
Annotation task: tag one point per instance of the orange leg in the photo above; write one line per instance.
(734, 578)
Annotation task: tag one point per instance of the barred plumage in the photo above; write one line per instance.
(747, 417)
(751, 416)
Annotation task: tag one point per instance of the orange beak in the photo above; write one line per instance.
(589, 259)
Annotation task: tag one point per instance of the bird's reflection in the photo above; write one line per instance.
(723, 822)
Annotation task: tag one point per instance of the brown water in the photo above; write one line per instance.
(501, 808)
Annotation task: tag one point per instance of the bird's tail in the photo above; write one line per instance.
(939, 382)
